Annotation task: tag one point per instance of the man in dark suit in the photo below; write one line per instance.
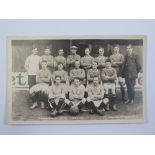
(131, 68)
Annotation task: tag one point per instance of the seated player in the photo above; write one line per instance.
(57, 97)
(47, 57)
(93, 73)
(117, 60)
(95, 97)
(73, 57)
(108, 77)
(60, 59)
(62, 73)
(37, 91)
(87, 60)
(77, 72)
(101, 58)
(76, 96)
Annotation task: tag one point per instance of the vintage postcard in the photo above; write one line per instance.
(76, 79)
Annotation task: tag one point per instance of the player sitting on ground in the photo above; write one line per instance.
(108, 77)
(76, 96)
(95, 97)
(57, 98)
(37, 91)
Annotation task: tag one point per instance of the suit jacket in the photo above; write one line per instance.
(131, 66)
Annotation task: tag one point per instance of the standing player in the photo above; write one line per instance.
(77, 72)
(117, 61)
(57, 97)
(101, 58)
(94, 72)
(47, 57)
(73, 57)
(60, 59)
(32, 66)
(76, 95)
(130, 71)
(87, 60)
(108, 77)
(95, 97)
(38, 91)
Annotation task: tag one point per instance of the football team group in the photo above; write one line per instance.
(76, 84)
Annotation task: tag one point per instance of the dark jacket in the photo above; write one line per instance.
(131, 66)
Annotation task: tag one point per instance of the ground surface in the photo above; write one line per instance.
(21, 111)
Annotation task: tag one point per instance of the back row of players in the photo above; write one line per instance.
(98, 75)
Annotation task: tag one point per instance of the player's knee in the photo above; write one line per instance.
(113, 87)
(105, 101)
(51, 100)
(88, 99)
(61, 100)
(67, 101)
(32, 95)
(31, 91)
(83, 100)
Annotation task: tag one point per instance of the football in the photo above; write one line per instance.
(74, 110)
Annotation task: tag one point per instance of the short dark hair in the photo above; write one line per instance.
(76, 61)
(43, 61)
(60, 49)
(57, 76)
(47, 48)
(77, 78)
(34, 47)
(87, 48)
(101, 47)
(95, 62)
(108, 60)
(130, 45)
(116, 45)
(60, 63)
(95, 77)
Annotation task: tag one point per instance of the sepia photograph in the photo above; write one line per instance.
(76, 79)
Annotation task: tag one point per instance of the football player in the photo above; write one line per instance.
(117, 60)
(73, 57)
(95, 97)
(38, 91)
(47, 57)
(32, 66)
(109, 77)
(60, 59)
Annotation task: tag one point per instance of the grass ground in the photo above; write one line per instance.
(21, 111)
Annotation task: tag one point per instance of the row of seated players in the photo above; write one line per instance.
(92, 97)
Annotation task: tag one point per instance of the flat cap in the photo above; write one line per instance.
(73, 47)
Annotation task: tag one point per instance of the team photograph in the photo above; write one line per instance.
(76, 79)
